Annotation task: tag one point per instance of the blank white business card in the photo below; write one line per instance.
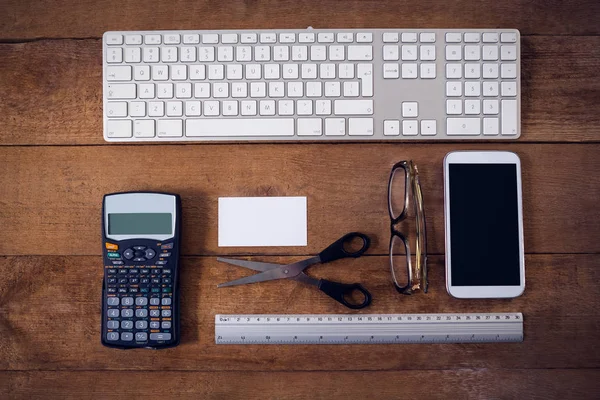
(262, 221)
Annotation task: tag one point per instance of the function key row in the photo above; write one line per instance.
(232, 38)
(476, 37)
(408, 37)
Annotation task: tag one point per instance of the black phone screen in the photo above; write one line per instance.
(484, 225)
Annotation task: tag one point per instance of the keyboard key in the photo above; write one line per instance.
(169, 128)
(410, 128)
(118, 129)
(306, 37)
(118, 73)
(453, 53)
(121, 91)
(427, 37)
(453, 107)
(409, 37)
(360, 126)
(508, 71)
(490, 37)
(453, 37)
(360, 53)
(229, 38)
(490, 126)
(428, 127)
(463, 126)
(390, 37)
(248, 38)
(240, 127)
(310, 127)
(508, 37)
(409, 71)
(508, 53)
(210, 38)
(115, 109)
(114, 55)
(345, 37)
(335, 126)
(472, 37)
(152, 39)
(172, 38)
(391, 128)
(508, 89)
(410, 109)
(364, 37)
(113, 39)
(325, 37)
(287, 37)
(353, 107)
(509, 117)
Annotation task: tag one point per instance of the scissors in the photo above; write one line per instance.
(337, 250)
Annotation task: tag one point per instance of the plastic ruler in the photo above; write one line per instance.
(368, 328)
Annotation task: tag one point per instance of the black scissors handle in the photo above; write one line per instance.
(342, 291)
(337, 249)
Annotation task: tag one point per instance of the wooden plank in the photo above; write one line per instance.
(50, 318)
(52, 92)
(51, 201)
(445, 384)
(82, 19)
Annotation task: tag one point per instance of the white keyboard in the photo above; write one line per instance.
(294, 85)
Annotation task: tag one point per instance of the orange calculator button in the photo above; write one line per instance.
(111, 246)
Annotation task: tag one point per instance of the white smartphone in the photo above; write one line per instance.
(483, 216)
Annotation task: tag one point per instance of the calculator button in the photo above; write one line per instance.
(134, 280)
(161, 263)
(160, 336)
(166, 271)
(155, 280)
(166, 246)
(112, 336)
(141, 324)
(154, 325)
(154, 301)
(113, 313)
(141, 313)
(127, 324)
(128, 254)
(166, 325)
(113, 254)
(112, 324)
(150, 253)
(139, 259)
(166, 290)
(112, 280)
(127, 313)
(127, 336)
(113, 301)
(166, 313)
(166, 301)
(112, 271)
(156, 271)
(144, 290)
(140, 248)
(122, 271)
(122, 290)
(165, 255)
(145, 280)
(154, 313)
(141, 336)
(123, 280)
(134, 271)
(141, 301)
(145, 271)
(127, 301)
(134, 290)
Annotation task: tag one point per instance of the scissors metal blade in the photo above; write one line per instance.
(253, 265)
(269, 275)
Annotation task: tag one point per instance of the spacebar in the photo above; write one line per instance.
(240, 127)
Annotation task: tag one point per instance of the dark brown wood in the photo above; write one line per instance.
(88, 18)
(247, 385)
(55, 167)
(51, 91)
(55, 193)
(50, 318)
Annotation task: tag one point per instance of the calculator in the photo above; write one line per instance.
(141, 233)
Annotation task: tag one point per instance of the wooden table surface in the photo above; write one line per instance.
(55, 168)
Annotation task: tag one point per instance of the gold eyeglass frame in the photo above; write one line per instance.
(417, 277)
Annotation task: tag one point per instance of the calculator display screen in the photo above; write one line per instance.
(140, 224)
(484, 225)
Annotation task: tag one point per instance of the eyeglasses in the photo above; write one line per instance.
(408, 276)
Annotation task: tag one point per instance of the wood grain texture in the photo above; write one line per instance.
(50, 318)
(87, 18)
(55, 193)
(52, 91)
(445, 384)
